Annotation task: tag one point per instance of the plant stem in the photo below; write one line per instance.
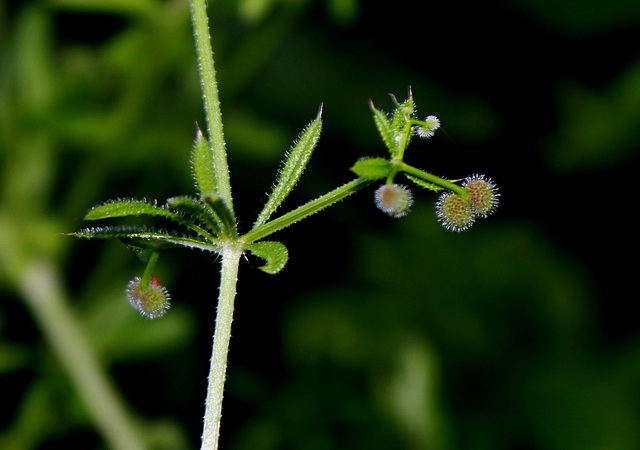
(232, 249)
(217, 372)
(433, 179)
(48, 305)
(305, 210)
(211, 99)
(148, 270)
(404, 142)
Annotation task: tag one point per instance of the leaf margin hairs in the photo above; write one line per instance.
(293, 165)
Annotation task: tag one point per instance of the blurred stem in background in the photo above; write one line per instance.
(49, 305)
(31, 261)
(32, 254)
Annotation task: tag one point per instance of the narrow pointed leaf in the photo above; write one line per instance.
(401, 115)
(161, 241)
(115, 232)
(202, 166)
(400, 118)
(372, 168)
(384, 128)
(196, 209)
(129, 207)
(145, 238)
(221, 213)
(295, 163)
(275, 253)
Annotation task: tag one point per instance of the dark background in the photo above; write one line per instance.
(519, 333)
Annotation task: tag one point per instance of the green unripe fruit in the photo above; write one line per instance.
(483, 195)
(454, 212)
(394, 199)
(152, 300)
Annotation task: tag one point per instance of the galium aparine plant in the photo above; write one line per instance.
(207, 220)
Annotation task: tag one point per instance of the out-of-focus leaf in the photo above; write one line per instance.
(584, 17)
(598, 129)
(12, 357)
(35, 420)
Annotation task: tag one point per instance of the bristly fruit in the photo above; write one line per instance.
(483, 194)
(454, 212)
(394, 199)
(431, 124)
(152, 300)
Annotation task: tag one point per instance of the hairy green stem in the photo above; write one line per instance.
(211, 99)
(217, 372)
(232, 249)
(148, 270)
(47, 302)
(433, 179)
(404, 141)
(305, 210)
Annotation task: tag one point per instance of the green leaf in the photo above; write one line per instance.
(196, 209)
(275, 253)
(403, 113)
(292, 169)
(202, 166)
(372, 168)
(425, 184)
(384, 128)
(145, 238)
(221, 214)
(132, 207)
(400, 118)
(118, 232)
(129, 207)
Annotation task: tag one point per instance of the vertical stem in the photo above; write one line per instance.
(231, 252)
(211, 99)
(217, 372)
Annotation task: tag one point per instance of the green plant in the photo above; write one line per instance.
(207, 221)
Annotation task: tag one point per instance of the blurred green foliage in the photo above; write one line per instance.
(516, 334)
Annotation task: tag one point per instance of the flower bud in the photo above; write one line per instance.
(483, 194)
(152, 300)
(431, 124)
(454, 212)
(394, 199)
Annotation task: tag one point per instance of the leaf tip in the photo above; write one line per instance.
(274, 253)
